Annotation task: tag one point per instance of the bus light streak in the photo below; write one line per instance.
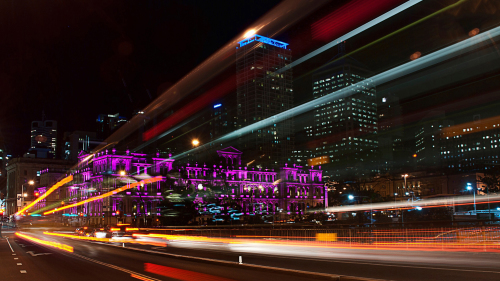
(113, 192)
(52, 189)
(46, 243)
(180, 274)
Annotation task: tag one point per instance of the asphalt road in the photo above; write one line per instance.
(96, 261)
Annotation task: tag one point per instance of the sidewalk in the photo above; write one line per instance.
(9, 269)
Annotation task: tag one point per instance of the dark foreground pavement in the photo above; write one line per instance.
(98, 261)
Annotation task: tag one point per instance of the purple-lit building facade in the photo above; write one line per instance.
(289, 190)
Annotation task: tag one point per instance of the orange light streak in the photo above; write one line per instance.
(113, 192)
(52, 189)
(46, 243)
(132, 229)
(140, 277)
(471, 127)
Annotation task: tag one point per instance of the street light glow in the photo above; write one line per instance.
(351, 197)
(31, 182)
(195, 142)
(249, 33)
(122, 173)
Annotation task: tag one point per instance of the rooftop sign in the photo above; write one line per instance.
(263, 39)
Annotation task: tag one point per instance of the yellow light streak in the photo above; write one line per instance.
(46, 243)
(52, 189)
(109, 240)
(113, 192)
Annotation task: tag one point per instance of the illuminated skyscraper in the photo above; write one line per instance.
(344, 130)
(262, 93)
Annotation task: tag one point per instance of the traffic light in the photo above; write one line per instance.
(37, 193)
(118, 212)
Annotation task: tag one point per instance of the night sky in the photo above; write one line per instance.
(77, 59)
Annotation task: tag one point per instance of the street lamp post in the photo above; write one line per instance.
(470, 188)
(404, 176)
(351, 197)
(24, 194)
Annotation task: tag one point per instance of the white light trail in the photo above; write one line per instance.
(353, 33)
(431, 202)
(439, 56)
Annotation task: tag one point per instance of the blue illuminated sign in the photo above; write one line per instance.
(263, 39)
(217, 105)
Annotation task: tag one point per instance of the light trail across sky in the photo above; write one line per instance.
(352, 33)
(113, 192)
(43, 196)
(431, 59)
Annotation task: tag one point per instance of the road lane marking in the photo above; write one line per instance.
(10, 245)
(16, 258)
(19, 263)
(116, 267)
(41, 254)
(23, 271)
(99, 262)
(235, 263)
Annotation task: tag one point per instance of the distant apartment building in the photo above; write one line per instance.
(20, 171)
(470, 146)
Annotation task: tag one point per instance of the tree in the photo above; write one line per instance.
(491, 179)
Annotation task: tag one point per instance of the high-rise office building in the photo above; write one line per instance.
(44, 138)
(344, 130)
(262, 93)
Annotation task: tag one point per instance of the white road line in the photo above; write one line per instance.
(236, 263)
(23, 271)
(16, 258)
(9, 245)
(115, 267)
(19, 263)
(325, 260)
(106, 264)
